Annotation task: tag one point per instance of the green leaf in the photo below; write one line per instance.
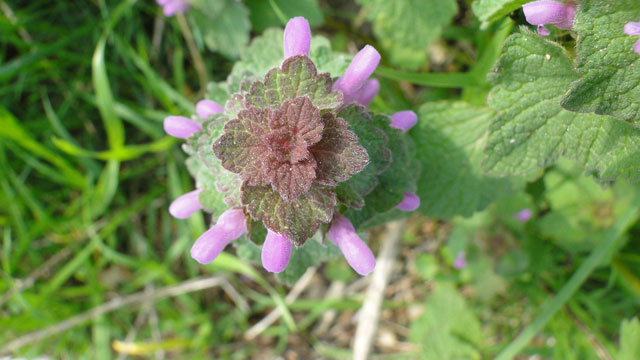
(399, 177)
(265, 53)
(224, 24)
(448, 329)
(489, 11)
(221, 188)
(263, 16)
(610, 69)
(339, 154)
(406, 28)
(299, 219)
(532, 130)
(352, 191)
(629, 340)
(450, 137)
(296, 77)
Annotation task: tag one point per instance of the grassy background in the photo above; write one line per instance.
(86, 176)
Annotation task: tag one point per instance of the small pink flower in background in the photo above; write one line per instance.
(404, 120)
(357, 253)
(410, 202)
(523, 215)
(460, 261)
(172, 7)
(545, 12)
(633, 29)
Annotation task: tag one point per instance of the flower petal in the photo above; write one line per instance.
(276, 252)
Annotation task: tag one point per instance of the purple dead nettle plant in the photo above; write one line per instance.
(633, 29)
(558, 14)
(172, 7)
(284, 140)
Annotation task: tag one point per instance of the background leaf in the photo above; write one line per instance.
(489, 11)
(609, 68)
(450, 137)
(532, 130)
(406, 28)
(263, 16)
(224, 25)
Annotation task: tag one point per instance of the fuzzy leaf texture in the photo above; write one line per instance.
(374, 140)
(609, 68)
(398, 177)
(289, 149)
(450, 139)
(296, 77)
(532, 130)
(406, 28)
(265, 53)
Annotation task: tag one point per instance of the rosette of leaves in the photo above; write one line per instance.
(292, 154)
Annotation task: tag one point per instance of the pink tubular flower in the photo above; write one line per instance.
(524, 215)
(547, 12)
(633, 29)
(297, 37)
(409, 203)
(180, 126)
(276, 252)
(361, 67)
(172, 7)
(357, 253)
(186, 205)
(205, 108)
(368, 92)
(460, 261)
(404, 120)
(230, 226)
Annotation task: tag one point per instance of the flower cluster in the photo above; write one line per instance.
(289, 142)
(546, 12)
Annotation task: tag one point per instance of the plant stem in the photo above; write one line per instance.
(198, 62)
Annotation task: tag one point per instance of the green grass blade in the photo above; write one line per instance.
(609, 241)
(10, 128)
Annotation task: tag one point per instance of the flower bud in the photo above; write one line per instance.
(180, 126)
(409, 203)
(361, 67)
(297, 37)
(186, 205)
(404, 120)
(276, 252)
(357, 253)
(633, 29)
(172, 7)
(206, 108)
(368, 92)
(547, 12)
(230, 226)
